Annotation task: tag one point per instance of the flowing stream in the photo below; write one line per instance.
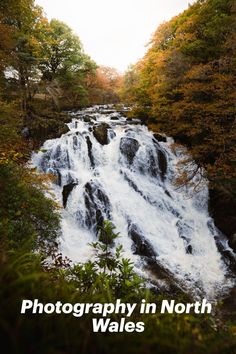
(107, 168)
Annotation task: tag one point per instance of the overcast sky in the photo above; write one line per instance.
(114, 32)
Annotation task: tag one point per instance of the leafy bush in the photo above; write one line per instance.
(28, 218)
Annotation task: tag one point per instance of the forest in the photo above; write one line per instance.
(183, 87)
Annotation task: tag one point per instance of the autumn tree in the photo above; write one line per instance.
(187, 81)
(23, 19)
(104, 87)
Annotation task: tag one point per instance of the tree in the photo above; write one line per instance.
(186, 80)
(104, 87)
(23, 19)
(64, 62)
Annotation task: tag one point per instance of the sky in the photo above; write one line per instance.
(114, 32)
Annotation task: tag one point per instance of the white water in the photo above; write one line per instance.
(134, 196)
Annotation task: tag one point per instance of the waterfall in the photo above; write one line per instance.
(107, 167)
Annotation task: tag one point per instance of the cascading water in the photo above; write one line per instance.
(109, 169)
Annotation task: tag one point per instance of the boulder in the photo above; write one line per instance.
(100, 133)
(88, 119)
(160, 138)
(141, 246)
(67, 189)
(129, 147)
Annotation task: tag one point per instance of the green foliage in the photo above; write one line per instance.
(28, 219)
(110, 271)
(109, 275)
(22, 277)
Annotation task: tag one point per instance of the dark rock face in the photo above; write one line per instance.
(228, 255)
(90, 154)
(132, 184)
(97, 206)
(101, 134)
(129, 147)
(153, 167)
(140, 246)
(58, 174)
(223, 210)
(143, 248)
(67, 189)
(162, 163)
(160, 137)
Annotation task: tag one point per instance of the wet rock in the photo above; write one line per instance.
(58, 178)
(115, 116)
(168, 193)
(101, 133)
(162, 163)
(129, 147)
(99, 220)
(160, 138)
(88, 119)
(153, 167)
(123, 113)
(228, 255)
(132, 184)
(106, 111)
(133, 121)
(90, 153)
(141, 246)
(67, 189)
(189, 249)
(97, 206)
